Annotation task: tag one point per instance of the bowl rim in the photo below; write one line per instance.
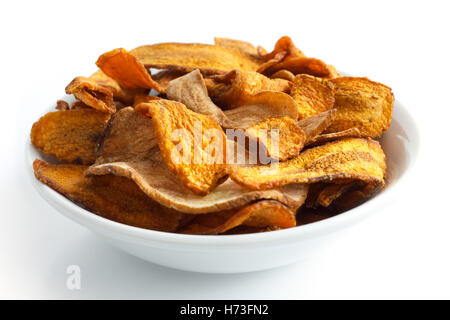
(323, 227)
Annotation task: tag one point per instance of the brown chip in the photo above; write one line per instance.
(283, 74)
(323, 194)
(312, 95)
(128, 150)
(125, 68)
(62, 105)
(363, 104)
(262, 214)
(284, 44)
(343, 160)
(71, 135)
(108, 196)
(234, 88)
(194, 165)
(210, 59)
(99, 92)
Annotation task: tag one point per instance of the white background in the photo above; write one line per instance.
(402, 252)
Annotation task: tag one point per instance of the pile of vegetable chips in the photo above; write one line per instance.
(221, 139)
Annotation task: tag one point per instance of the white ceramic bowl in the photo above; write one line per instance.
(248, 252)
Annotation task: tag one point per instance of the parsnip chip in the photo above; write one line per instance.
(262, 214)
(346, 160)
(111, 197)
(315, 125)
(312, 95)
(184, 138)
(99, 92)
(243, 46)
(191, 90)
(266, 104)
(283, 74)
(164, 77)
(210, 59)
(233, 89)
(129, 150)
(125, 68)
(70, 135)
(363, 104)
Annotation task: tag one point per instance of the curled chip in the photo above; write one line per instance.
(311, 66)
(312, 95)
(99, 92)
(363, 104)
(111, 197)
(323, 194)
(234, 88)
(262, 214)
(125, 68)
(128, 150)
(210, 59)
(284, 44)
(71, 135)
(342, 160)
(185, 139)
(315, 125)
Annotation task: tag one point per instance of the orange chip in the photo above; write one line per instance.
(284, 44)
(299, 65)
(112, 197)
(343, 160)
(209, 59)
(70, 135)
(242, 46)
(312, 95)
(188, 156)
(327, 137)
(125, 68)
(362, 104)
(261, 214)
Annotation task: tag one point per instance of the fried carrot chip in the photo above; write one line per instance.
(283, 74)
(70, 135)
(125, 68)
(143, 98)
(242, 46)
(191, 90)
(312, 95)
(327, 137)
(62, 105)
(235, 87)
(99, 92)
(362, 104)
(290, 138)
(284, 44)
(262, 214)
(210, 59)
(128, 150)
(108, 196)
(343, 160)
(194, 164)
(299, 65)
